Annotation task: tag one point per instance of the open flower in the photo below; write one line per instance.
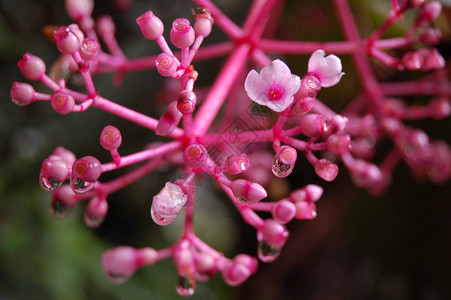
(326, 68)
(274, 87)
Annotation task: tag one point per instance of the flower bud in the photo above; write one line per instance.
(314, 125)
(67, 42)
(248, 192)
(63, 200)
(326, 169)
(166, 64)
(66, 155)
(150, 25)
(305, 210)
(186, 102)
(204, 23)
(22, 93)
(287, 154)
(89, 49)
(96, 211)
(85, 173)
(62, 103)
(182, 34)
(339, 143)
(284, 211)
(195, 155)
(54, 171)
(79, 9)
(105, 26)
(236, 163)
(166, 205)
(110, 138)
(309, 193)
(32, 67)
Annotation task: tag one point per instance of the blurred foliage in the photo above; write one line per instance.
(393, 247)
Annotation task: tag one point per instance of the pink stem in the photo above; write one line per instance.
(298, 47)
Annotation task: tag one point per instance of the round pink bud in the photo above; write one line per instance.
(248, 192)
(204, 23)
(79, 9)
(32, 67)
(339, 143)
(430, 36)
(205, 264)
(365, 174)
(274, 233)
(326, 169)
(431, 11)
(182, 34)
(314, 125)
(309, 193)
(195, 155)
(166, 64)
(22, 93)
(310, 86)
(67, 42)
(63, 200)
(301, 106)
(150, 25)
(305, 210)
(235, 274)
(87, 168)
(284, 211)
(248, 261)
(237, 163)
(62, 103)
(287, 155)
(110, 138)
(54, 171)
(66, 155)
(186, 102)
(89, 49)
(96, 211)
(120, 263)
(77, 31)
(105, 26)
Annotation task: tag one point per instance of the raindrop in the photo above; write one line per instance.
(268, 252)
(48, 184)
(160, 220)
(60, 209)
(80, 186)
(280, 169)
(186, 286)
(117, 278)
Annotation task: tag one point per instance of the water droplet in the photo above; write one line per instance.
(268, 252)
(280, 169)
(241, 199)
(60, 209)
(80, 186)
(93, 221)
(186, 286)
(117, 278)
(48, 184)
(160, 220)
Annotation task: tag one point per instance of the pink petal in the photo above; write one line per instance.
(256, 87)
(326, 68)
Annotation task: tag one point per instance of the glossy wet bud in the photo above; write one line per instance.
(236, 272)
(62, 103)
(85, 173)
(339, 143)
(54, 171)
(79, 9)
(66, 155)
(309, 193)
(22, 93)
(205, 264)
(284, 211)
(272, 238)
(150, 25)
(314, 125)
(326, 169)
(310, 86)
(182, 34)
(301, 106)
(248, 192)
(166, 64)
(110, 138)
(430, 11)
(67, 41)
(63, 200)
(89, 49)
(96, 211)
(204, 23)
(305, 210)
(186, 102)
(236, 163)
(195, 155)
(32, 67)
(167, 204)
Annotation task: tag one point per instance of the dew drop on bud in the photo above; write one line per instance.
(60, 209)
(48, 184)
(93, 221)
(117, 278)
(80, 186)
(268, 252)
(186, 286)
(280, 169)
(159, 219)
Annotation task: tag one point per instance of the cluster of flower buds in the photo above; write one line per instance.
(303, 125)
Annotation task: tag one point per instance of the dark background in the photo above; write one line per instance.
(359, 247)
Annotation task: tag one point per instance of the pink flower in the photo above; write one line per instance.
(326, 68)
(274, 87)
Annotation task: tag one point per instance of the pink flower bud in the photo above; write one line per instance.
(87, 168)
(105, 26)
(167, 204)
(182, 34)
(314, 125)
(248, 192)
(22, 93)
(77, 31)
(62, 103)
(195, 155)
(430, 36)
(205, 264)
(309, 193)
(186, 102)
(274, 233)
(204, 23)
(166, 64)
(310, 86)
(431, 11)
(89, 49)
(32, 67)
(305, 210)
(79, 9)
(236, 163)
(150, 25)
(120, 263)
(96, 211)
(339, 143)
(338, 122)
(235, 274)
(54, 171)
(66, 155)
(302, 106)
(67, 42)
(284, 211)
(169, 120)
(110, 138)
(365, 174)
(326, 68)
(326, 169)
(287, 155)
(63, 200)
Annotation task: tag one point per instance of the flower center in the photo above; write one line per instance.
(275, 93)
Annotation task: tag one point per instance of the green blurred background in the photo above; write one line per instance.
(393, 247)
